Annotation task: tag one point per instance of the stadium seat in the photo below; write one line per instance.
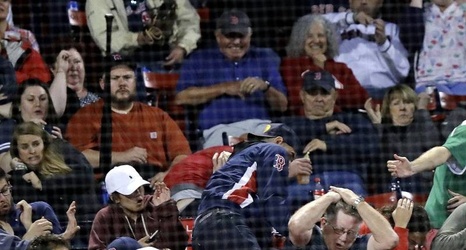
(188, 224)
(161, 93)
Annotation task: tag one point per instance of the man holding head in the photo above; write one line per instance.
(343, 213)
(233, 86)
(141, 135)
(133, 217)
(341, 145)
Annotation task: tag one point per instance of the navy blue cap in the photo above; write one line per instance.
(234, 21)
(278, 129)
(117, 59)
(320, 78)
(124, 243)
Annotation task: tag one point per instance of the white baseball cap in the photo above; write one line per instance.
(123, 179)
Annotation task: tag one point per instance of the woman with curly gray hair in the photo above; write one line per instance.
(312, 46)
(301, 32)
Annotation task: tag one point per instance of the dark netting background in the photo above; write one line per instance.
(52, 23)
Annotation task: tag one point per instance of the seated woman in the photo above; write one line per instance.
(312, 46)
(74, 78)
(46, 169)
(404, 125)
(32, 102)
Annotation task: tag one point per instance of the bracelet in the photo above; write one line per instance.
(21, 167)
(268, 86)
(357, 201)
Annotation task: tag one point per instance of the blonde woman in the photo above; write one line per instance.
(51, 170)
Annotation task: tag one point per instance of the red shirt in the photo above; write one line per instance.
(144, 126)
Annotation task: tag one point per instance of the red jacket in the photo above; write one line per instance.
(353, 95)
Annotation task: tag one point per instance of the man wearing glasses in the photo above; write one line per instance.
(17, 228)
(343, 212)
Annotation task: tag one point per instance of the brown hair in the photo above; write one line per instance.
(334, 208)
(401, 91)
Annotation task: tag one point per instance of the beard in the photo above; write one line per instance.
(123, 102)
(5, 210)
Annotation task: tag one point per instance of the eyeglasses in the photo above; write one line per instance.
(6, 191)
(416, 247)
(340, 231)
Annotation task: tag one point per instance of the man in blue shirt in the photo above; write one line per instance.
(232, 82)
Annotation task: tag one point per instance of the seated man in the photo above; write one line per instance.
(244, 202)
(371, 47)
(17, 228)
(133, 214)
(232, 83)
(341, 145)
(141, 135)
(343, 211)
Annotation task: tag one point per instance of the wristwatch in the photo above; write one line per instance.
(268, 86)
(357, 201)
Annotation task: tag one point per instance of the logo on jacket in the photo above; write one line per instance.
(279, 162)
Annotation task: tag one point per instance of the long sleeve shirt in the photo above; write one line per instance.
(110, 223)
(12, 242)
(375, 66)
(186, 30)
(254, 179)
(453, 232)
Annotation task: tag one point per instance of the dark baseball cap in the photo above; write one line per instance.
(117, 59)
(277, 129)
(320, 78)
(234, 21)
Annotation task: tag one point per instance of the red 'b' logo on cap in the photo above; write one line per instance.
(117, 57)
(317, 76)
(234, 20)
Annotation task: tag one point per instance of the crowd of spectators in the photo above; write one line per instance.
(344, 92)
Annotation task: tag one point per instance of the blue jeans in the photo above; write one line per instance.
(299, 195)
(219, 229)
